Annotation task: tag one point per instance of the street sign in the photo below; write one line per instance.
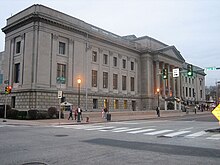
(176, 72)
(210, 68)
(216, 112)
(60, 94)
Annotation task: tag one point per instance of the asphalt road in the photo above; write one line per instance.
(162, 141)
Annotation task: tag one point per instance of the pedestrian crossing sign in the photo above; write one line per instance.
(216, 112)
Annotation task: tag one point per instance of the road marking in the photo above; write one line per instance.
(196, 134)
(158, 132)
(125, 130)
(186, 129)
(95, 128)
(214, 137)
(176, 133)
(141, 131)
(101, 128)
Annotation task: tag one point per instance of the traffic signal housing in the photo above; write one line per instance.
(8, 89)
(165, 73)
(189, 70)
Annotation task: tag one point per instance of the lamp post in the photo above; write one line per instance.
(158, 102)
(79, 111)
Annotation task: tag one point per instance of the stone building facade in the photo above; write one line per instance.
(44, 46)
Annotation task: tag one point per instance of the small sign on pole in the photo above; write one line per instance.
(176, 72)
(60, 94)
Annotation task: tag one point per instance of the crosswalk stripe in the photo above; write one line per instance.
(214, 137)
(176, 133)
(141, 131)
(101, 128)
(94, 128)
(158, 132)
(196, 134)
(125, 130)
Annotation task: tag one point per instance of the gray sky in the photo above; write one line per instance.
(192, 26)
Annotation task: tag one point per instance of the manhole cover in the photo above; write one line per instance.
(61, 135)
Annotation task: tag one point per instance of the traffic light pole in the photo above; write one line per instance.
(5, 108)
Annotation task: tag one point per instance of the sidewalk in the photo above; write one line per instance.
(95, 117)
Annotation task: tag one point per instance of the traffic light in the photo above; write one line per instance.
(8, 89)
(165, 73)
(189, 70)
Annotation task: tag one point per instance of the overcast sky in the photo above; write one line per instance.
(192, 26)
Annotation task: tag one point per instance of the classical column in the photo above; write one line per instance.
(164, 81)
(168, 80)
(157, 75)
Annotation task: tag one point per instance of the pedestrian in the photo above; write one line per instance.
(70, 114)
(195, 109)
(104, 113)
(75, 113)
(158, 111)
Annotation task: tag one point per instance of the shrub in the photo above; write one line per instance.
(51, 112)
(42, 114)
(22, 114)
(12, 113)
(32, 114)
(2, 110)
(170, 106)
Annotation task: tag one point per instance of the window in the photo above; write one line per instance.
(115, 81)
(115, 104)
(95, 103)
(94, 78)
(105, 79)
(18, 47)
(132, 65)
(13, 101)
(125, 104)
(105, 59)
(124, 63)
(1, 78)
(189, 80)
(61, 73)
(200, 93)
(132, 83)
(186, 79)
(17, 73)
(190, 92)
(186, 92)
(115, 61)
(94, 56)
(62, 47)
(123, 82)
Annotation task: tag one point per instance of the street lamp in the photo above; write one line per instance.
(158, 94)
(158, 102)
(79, 111)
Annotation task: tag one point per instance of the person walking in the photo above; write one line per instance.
(70, 114)
(158, 111)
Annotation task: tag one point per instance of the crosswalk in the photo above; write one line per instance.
(146, 131)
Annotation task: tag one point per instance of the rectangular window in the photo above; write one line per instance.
(105, 79)
(189, 80)
(95, 103)
(115, 104)
(105, 59)
(132, 83)
(200, 93)
(17, 73)
(94, 56)
(18, 47)
(62, 47)
(1, 78)
(132, 65)
(61, 73)
(115, 81)
(123, 82)
(94, 78)
(115, 61)
(186, 79)
(13, 101)
(190, 92)
(124, 63)
(125, 104)
(186, 92)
